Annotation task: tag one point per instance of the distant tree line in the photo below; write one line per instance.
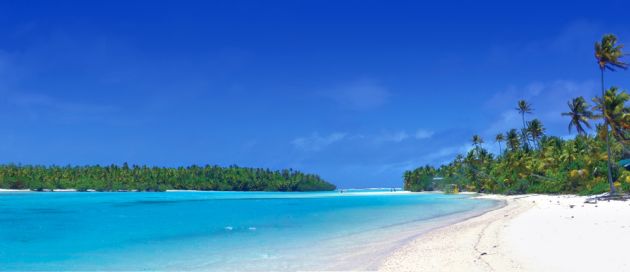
(144, 178)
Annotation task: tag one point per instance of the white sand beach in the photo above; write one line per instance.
(531, 233)
(27, 190)
(13, 190)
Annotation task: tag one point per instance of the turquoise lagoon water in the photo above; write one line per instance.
(217, 230)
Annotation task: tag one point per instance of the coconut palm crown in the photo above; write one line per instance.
(477, 141)
(608, 53)
(536, 130)
(513, 140)
(498, 139)
(580, 115)
(614, 112)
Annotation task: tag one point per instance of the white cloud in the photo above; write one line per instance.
(316, 142)
(423, 134)
(402, 135)
(392, 137)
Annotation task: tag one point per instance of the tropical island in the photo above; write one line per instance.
(525, 158)
(531, 161)
(563, 196)
(144, 178)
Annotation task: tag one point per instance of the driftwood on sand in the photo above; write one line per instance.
(607, 197)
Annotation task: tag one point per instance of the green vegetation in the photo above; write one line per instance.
(533, 162)
(143, 178)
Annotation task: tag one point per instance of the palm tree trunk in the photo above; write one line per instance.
(610, 181)
(500, 149)
(524, 132)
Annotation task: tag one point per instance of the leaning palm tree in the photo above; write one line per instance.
(498, 139)
(608, 54)
(580, 114)
(536, 130)
(523, 107)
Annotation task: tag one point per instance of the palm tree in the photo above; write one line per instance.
(579, 114)
(477, 141)
(498, 139)
(512, 139)
(536, 130)
(608, 54)
(523, 107)
(615, 112)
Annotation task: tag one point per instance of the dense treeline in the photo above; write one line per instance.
(143, 178)
(557, 166)
(533, 162)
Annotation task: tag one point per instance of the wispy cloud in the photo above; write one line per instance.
(449, 151)
(568, 42)
(316, 142)
(402, 135)
(423, 134)
(398, 136)
(548, 101)
(363, 94)
(20, 100)
(441, 156)
(37, 106)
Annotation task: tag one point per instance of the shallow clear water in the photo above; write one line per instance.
(215, 230)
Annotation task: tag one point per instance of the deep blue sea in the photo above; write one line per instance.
(248, 231)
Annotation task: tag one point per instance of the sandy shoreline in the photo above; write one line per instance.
(530, 233)
(29, 190)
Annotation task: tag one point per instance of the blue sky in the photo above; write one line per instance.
(356, 91)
